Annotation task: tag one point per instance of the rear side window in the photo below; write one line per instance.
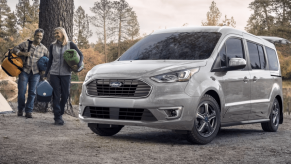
(262, 57)
(257, 57)
(254, 56)
(272, 58)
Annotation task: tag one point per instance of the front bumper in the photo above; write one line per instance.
(163, 96)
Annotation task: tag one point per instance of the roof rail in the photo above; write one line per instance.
(274, 39)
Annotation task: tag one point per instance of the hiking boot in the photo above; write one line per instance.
(28, 115)
(19, 113)
(59, 121)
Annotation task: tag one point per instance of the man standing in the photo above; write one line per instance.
(30, 52)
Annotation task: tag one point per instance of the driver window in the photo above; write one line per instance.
(234, 48)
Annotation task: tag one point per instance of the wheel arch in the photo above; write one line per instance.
(215, 95)
(278, 97)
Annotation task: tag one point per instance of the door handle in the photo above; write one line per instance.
(245, 79)
(255, 78)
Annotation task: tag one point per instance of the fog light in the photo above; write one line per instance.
(172, 112)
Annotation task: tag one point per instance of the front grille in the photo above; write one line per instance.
(130, 114)
(99, 112)
(129, 88)
(134, 114)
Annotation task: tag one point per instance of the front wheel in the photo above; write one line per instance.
(206, 121)
(104, 129)
(273, 124)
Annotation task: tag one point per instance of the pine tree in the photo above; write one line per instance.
(24, 12)
(103, 11)
(11, 24)
(260, 21)
(270, 17)
(4, 11)
(132, 26)
(282, 10)
(213, 16)
(122, 15)
(228, 22)
(35, 11)
(81, 28)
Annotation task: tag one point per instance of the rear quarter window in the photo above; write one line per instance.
(273, 59)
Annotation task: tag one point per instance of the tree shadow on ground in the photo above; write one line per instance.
(170, 137)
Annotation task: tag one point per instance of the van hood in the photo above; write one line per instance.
(138, 68)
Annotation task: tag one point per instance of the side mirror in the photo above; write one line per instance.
(234, 64)
(237, 63)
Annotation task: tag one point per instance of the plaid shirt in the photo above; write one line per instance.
(36, 53)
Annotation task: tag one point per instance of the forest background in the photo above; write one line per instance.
(118, 27)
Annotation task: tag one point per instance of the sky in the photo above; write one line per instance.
(160, 14)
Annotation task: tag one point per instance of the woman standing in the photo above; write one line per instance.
(60, 72)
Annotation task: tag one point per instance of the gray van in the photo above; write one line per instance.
(192, 80)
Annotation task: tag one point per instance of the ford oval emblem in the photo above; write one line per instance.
(115, 84)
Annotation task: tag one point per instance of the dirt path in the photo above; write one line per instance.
(37, 140)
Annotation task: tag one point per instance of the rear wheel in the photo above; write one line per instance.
(206, 121)
(105, 129)
(273, 124)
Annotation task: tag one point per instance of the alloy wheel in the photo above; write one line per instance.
(206, 121)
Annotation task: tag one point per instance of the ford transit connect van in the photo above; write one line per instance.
(192, 80)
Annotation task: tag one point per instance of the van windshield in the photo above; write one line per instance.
(173, 46)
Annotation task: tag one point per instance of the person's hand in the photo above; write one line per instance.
(75, 67)
(44, 78)
(27, 54)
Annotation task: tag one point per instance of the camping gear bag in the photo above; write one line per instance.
(42, 63)
(44, 91)
(13, 64)
(72, 57)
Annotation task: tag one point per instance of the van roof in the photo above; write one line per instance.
(199, 29)
(222, 29)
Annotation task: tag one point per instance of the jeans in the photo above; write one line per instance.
(61, 86)
(32, 80)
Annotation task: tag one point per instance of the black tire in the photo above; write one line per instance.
(273, 124)
(206, 121)
(105, 130)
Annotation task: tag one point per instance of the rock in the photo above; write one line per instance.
(8, 85)
(10, 96)
(4, 76)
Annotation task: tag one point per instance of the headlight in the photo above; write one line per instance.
(88, 76)
(182, 75)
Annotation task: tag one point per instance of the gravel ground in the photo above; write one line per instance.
(38, 140)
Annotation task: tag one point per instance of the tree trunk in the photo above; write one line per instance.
(267, 16)
(119, 37)
(105, 41)
(55, 13)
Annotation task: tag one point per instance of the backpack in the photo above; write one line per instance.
(12, 64)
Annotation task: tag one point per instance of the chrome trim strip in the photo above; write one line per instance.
(255, 121)
(225, 124)
(246, 102)
(121, 97)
